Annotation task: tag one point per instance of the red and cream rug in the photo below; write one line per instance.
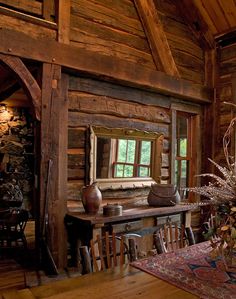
(193, 270)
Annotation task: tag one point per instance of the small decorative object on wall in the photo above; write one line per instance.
(91, 198)
(221, 192)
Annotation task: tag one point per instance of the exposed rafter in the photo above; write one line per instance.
(195, 21)
(156, 36)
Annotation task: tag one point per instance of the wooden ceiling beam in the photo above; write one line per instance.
(156, 36)
(196, 23)
(100, 66)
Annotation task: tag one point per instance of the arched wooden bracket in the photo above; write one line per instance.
(28, 81)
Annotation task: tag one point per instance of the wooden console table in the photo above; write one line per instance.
(143, 220)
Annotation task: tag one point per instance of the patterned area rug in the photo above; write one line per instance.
(193, 270)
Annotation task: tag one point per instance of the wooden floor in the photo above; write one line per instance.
(18, 269)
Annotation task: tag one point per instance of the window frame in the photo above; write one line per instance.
(128, 133)
(193, 114)
(137, 158)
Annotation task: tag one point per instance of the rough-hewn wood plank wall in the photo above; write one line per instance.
(26, 27)
(114, 28)
(27, 6)
(111, 28)
(225, 93)
(185, 49)
(30, 17)
(110, 110)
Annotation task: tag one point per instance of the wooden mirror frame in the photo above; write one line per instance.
(124, 183)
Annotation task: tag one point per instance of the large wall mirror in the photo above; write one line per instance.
(124, 158)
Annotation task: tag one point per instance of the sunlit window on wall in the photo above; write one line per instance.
(183, 151)
(132, 158)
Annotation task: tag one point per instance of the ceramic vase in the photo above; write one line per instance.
(91, 198)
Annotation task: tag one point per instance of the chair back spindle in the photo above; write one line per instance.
(171, 237)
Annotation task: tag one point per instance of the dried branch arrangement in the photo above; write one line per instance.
(221, 191)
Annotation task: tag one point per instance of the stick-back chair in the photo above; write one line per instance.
(108, 251)
(171, 237)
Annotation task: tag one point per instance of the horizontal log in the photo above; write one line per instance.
(122, 51)
(89, 28)
(165, 160)
(76, 161)
(105, 105)
(121, 7)
(228, 53)
(228, 68)
(191, 75)
(108, 16)
(29, 6)
(22, 17)
(77, 119)
(165, 173)
(74, 189)
(118, 92)
(76, 138)
(75, 151)
(166, 145)
(111, 68)
(180, 44)
(75, 174)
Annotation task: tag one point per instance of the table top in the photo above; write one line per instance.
(128, 214)
(125, 282)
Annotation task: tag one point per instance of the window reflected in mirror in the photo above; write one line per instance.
(124, 158)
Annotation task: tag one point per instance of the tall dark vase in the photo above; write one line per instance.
(91, 198)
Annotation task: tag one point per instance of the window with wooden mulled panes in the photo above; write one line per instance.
(185, 152)
(132, 158)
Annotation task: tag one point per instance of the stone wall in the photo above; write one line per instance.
(17, 151)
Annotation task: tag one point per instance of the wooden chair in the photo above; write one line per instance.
(209, 227)
(171, 237)
(108, 251)
(12, 227)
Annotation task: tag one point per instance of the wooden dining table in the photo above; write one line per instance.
(124, 282)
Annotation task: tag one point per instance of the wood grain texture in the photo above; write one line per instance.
(199, 27)
(111, 284)
(63, 19)
(54, 146)
(115, 91)
(83, 102)
(126, 73)
(111, 29)
(184, 46)
(35, 27)
(156, 36)
(83, 119)
(29, 6)
(49, 10)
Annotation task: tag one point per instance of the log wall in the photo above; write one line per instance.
(225, 93)
(186, 51)
(32, 7)
(114, 28)
(94, 102)
(111, 28)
